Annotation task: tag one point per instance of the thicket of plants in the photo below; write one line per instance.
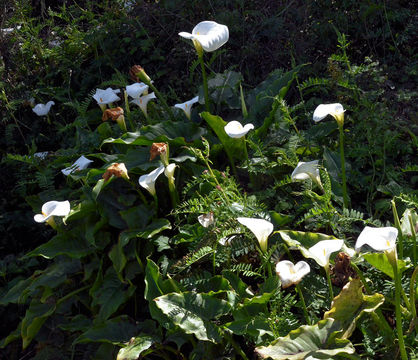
(168, 231)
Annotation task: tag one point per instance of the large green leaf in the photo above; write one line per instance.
(157, 226)
(193, 312)
(257, 327)
(309, 341)
(136, 346)
(381, 262)
(349, 305)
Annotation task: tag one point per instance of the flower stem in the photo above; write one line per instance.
(302, 300)
(161, 98)
(128, 111)
(331, 292)
(173, 193)
(414, 240)
(344, 180)
(252, 180)
(398, 312)
(205, 81)
(412, 293)
(398, 226)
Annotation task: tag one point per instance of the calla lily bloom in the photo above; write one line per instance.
(53, 208)
(41, 155)
(143, 101)
(80, 164)
(117, 170)
(206, 220)
(136, 90)
(335, 110)
(209, 34)
(147, 181)
(235, 130)
(291, 274)
(260, 228)
(380, 239)
(104, 97)
(43, 109)
(322, 250)
(169, 171)
(306, 170)
(187, 106)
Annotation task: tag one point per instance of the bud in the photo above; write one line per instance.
(160, 149)
(137, 73)
(117, 170)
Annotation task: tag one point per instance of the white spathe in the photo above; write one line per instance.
(142, 102)
(206, 220)
(291, 274)
(380, 239)
(169, 171)
(147, 181)
(187, 106)
(80, 164)
(336, 110)
(260, 228)
(43, 109)
(235, 130)
(53, 208)
(210, 35)
(322, 250)
(136, 90)
(107, 96)
(306, 170)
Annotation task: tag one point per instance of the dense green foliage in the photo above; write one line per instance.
(128, 273)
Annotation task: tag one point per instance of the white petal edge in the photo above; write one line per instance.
(380, 239)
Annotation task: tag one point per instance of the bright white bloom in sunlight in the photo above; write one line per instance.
(136, 90)
(80, 164)
(380, 239)
(169, 171)
(187, 106)
(210, 35)
(142, 102)
(322, 250)
(235, 130)
(147, 181)
(42, 109)
(260, 228)
(335, 110)
(206, 220)
(53, 208)
(104, 97)
(306, 170)
(291, 274)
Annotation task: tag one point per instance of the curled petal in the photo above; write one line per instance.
(235, 130)
(53, 208)
(336, 110)
(80, 164)
(136, 90)
(104, 97)
(147, 181)
(322, 250)
(209, 34)
(187, 106)
(291, 274)
(380, 239)
(260, 228)
(43, 109)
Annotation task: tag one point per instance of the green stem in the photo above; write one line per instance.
(128, 111)
(173, 193)
(235, 345)
(161, 98)
(205, 81)
(398, 226)
(414, 240)
(302, 300)
(331, 292)
(398, 312)
(252, 179)
(412, 293)
(344, 180)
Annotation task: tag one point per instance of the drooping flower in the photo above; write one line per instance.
(80, 164)
(160, 149)
(187, 106)
(117, 170)
(322, 250)
(306, 170)
(291, 274)
(117, 115)
(147, 181)
(209, 34)
(335, 110)
(380, 239)
(235, 130)
(104, 97)
(260, 228)
(169, 172)
(136, 90)
(206, 220)
(143, 101)
(43, 109)
(53, 208)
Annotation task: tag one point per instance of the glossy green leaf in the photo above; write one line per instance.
(118, 258)
(349, 305)
(157, 226)
(193, 312)
(381, 262)
(308, 341)
(136, 346)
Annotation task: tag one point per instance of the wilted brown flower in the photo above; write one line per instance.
(137, 73)
(114, 114)
(117, 170)
(157, 149)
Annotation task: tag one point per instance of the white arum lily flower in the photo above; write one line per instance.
(41, 155)
(187, 106)
(260, 228)
(147, 181)
(43, 109)
(53, 208)
(206, 220)
(380, 239)
(136, 90)
(235, 130)
(169, 171)
(322, 250)
(104, 97)
(80, 164)
(291, 274)
(335, 110)
(209, 34)
(143, 101)
(306, 170)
